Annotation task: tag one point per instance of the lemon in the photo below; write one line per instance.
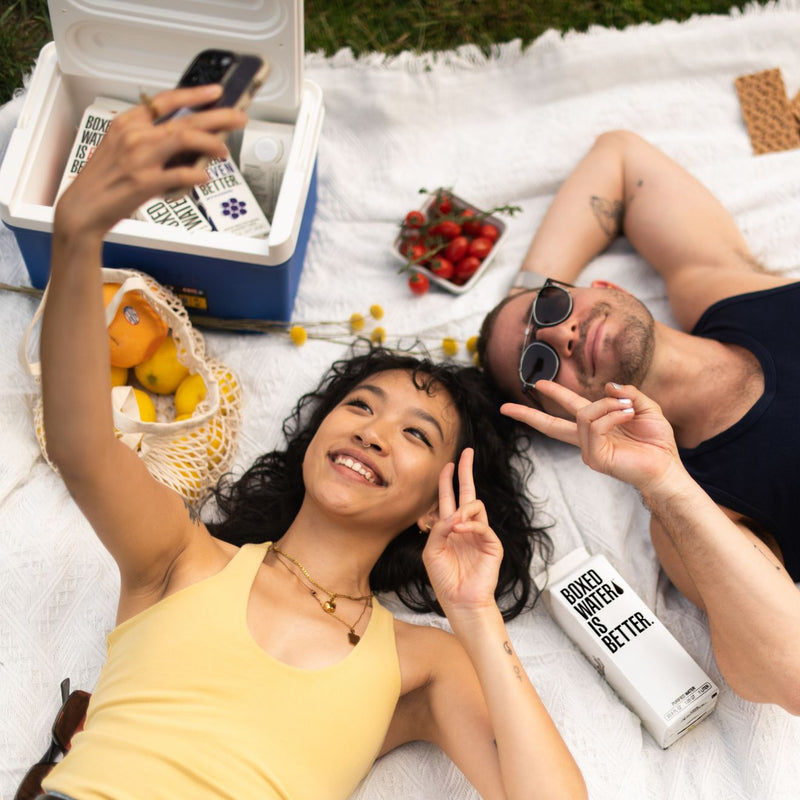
(228, 390)
(214, 446)
(119, 375)
(147, 410)
(189, 393)
(184, 460)
(162, 372)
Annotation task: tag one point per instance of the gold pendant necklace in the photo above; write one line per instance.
(329, 605)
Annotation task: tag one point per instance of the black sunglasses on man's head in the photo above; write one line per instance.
(551, 306)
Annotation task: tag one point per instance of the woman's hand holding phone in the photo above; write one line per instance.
(133, 162)
(240, 77)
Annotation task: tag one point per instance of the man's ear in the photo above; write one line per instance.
(607, 285)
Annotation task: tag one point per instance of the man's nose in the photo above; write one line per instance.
(561, 337)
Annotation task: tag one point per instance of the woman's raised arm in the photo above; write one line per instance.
(141, 522)
(489, 718)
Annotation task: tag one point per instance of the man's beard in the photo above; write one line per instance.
(633, 347)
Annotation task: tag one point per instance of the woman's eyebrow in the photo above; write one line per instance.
(418, 412)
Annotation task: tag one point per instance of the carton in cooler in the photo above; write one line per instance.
(180, 212)
(118, 50)
(91, 130)
(262, 160)
(628, 645)
(228, 202)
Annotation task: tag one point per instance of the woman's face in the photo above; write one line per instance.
(377, 456)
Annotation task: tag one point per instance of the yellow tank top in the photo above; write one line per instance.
(189, 706)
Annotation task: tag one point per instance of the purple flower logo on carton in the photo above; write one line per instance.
(234, 208)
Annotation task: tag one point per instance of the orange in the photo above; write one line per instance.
(136, 331)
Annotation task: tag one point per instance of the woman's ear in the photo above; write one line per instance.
(428, 520)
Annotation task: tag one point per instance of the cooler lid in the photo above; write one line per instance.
(155, 40)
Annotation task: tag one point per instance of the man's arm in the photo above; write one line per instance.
(752, 604)
(625, 186)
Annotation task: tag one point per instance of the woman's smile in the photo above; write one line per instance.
(351, 463)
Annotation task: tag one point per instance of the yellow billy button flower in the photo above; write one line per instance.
(356, 322)
(378, 336)
(472, 344)
(449, 346)
(375, 311)
(298, 335)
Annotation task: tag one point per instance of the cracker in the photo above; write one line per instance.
(766, 111)
(795, 106)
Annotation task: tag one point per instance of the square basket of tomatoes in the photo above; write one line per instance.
(448, 241)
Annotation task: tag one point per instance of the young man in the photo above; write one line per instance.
(727, 382)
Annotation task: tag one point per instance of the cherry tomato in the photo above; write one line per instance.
(490, 232)
(418, 283)
(467, 267)
(414, 219)
(457, 249)
(449, 228)
(470, 225)
(444, 205)
(480, 247)
(418, 252)
(442, 267)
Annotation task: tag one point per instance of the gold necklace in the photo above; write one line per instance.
(329, 605)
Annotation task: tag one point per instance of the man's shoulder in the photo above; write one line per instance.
(692, 297)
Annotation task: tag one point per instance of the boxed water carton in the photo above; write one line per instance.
(628, 645)
(263, 156)
(118, 50)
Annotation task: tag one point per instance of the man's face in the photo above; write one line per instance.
(609, 336)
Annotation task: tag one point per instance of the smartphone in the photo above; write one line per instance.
(241, 76)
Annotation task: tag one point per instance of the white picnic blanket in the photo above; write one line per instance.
(504, 129)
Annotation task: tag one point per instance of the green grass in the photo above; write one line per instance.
(391, 26)
(422, 25)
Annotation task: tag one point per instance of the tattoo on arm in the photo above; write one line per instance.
(194, 514)
(609, 214)
(766, 557)
(516, 667)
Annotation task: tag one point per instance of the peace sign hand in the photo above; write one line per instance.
(463, 554)
(623, 434)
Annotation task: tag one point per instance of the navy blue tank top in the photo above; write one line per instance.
(753, 467)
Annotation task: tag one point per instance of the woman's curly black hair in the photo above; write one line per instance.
(263, 503)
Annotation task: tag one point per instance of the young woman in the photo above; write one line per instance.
(269, 669)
